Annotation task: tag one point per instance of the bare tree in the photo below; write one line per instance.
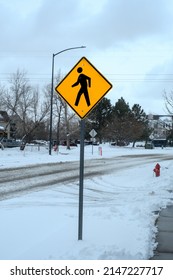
(21, 100)
(58, 112)
(2, 92)
(58, 109)
(168, 98)
(62, 115)
(30, 112)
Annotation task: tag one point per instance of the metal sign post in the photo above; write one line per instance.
(81, 175)
(92, 133)
(82, 89)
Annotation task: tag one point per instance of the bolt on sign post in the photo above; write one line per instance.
(82, 89)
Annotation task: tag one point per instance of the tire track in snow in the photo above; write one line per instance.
(22, 180)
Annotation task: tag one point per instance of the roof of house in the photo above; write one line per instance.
(4, 116)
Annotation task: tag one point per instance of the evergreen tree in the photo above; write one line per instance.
(121, 108)
(127, 125)
(138, 113)
(99, 117)
(142, 130)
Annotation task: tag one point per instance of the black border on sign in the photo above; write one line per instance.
(97, 101)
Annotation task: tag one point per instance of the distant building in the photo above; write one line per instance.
(4, 125)
(1, 130)
(161, 126)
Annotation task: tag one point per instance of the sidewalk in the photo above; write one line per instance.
(164, 238)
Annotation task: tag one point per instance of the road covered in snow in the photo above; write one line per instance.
(122, 199)
(21, 180)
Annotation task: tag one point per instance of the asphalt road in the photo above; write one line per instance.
(18, 181)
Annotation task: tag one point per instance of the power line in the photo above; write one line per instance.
(114, 77)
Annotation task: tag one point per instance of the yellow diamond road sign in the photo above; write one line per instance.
(83, 87)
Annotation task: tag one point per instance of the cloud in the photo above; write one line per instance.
(56, 24)
(121, 38)
(124, 20)
(98, 24)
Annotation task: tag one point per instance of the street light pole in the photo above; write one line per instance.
(51, 99)
(51, 107)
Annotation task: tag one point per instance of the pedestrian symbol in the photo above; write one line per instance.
(83, 87)
(84, 82)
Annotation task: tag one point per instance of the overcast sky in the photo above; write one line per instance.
(129, 41)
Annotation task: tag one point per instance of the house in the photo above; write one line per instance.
(4, 125)
(1, 131)
(161, 125)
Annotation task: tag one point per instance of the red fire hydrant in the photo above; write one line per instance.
(157, 170)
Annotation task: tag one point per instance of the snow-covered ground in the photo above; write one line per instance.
(119, 209)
